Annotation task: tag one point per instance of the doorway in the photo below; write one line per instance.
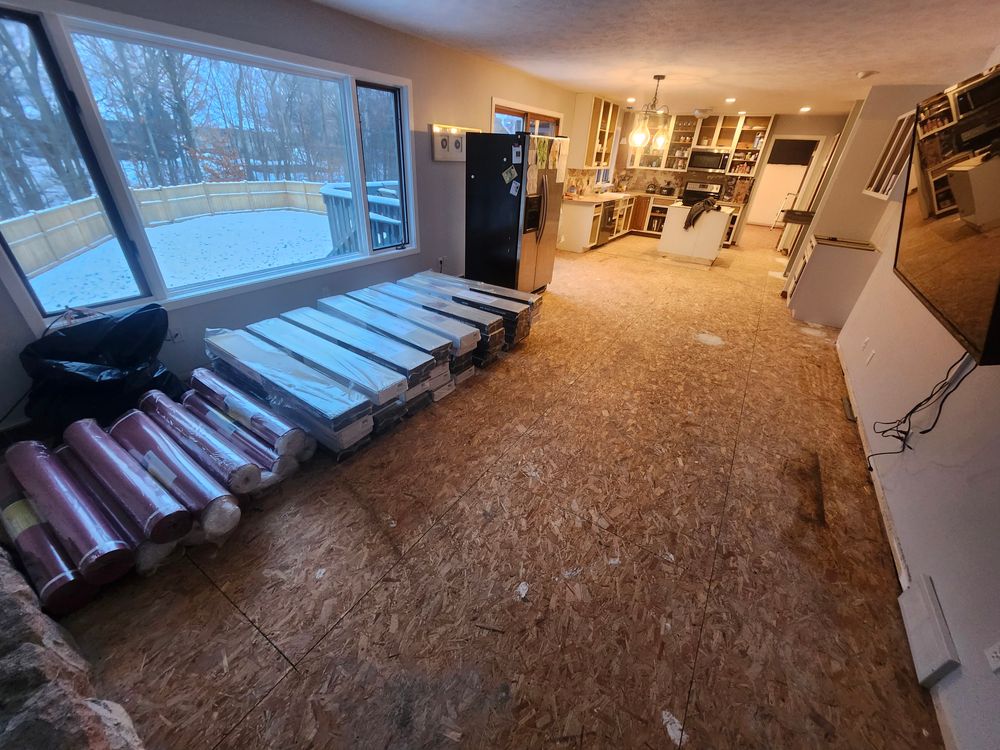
(782, 178)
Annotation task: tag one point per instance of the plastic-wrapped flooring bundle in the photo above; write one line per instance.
(464, 338)
(213, 506)
(387, 324)
(516, 315)
(59, 585)
(412, 363)
(148, 555)
(285, 438)
(92, 544)
(218, 456)
(335, 416)
(255, 449)
(379, 384)
(534, 301)
(387, 416)
(490, 326)
(159, 515)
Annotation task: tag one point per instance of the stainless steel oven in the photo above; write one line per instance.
(699, 191)
(708, 160)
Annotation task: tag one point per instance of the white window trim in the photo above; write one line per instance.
(60, 18)
(529, 108)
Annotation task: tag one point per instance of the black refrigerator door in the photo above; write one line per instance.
(493, 206)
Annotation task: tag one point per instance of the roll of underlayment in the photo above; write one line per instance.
(90, 541)
(285, 438)
(218, 456)
(199, 492)
(256, 450)
(160, 516)
(148, 555)
(59, 585)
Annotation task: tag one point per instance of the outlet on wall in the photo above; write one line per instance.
(441, 264)
(993, 657)
(173, 337)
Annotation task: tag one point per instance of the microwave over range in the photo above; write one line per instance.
(708, 160)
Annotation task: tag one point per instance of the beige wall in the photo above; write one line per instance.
(448, 86)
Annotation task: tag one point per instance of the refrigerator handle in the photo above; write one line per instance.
(545, 209)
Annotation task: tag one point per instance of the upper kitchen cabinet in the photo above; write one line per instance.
(595, 124)
(750, 142)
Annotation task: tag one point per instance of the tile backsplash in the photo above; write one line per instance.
(630, 179)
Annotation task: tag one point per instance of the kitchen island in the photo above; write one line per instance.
(700, 243)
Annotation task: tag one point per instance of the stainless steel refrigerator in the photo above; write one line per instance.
(513, 194)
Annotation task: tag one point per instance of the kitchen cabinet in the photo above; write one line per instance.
(719, 131)
(673, 155)
(742, 136)
(594, 128)
(640, 212)
(750, 140)
(581, 220)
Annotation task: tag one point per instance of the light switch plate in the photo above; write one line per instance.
(993, 657)
(933, 650)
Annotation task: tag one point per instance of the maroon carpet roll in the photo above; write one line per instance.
(285, 438)
(159, 516)
(148, 555)
(216, 454)
(255, 449)
(59, 585)
(184, 477)
(92, 544)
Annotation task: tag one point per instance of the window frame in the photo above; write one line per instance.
(404, 185)
(59, 20)
(526, 112)
(95, 172)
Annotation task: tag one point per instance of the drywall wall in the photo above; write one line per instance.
(844, 211)
(448, 86)
(822, 126)
(943, 497)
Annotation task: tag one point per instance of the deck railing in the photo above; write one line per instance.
(41, 240)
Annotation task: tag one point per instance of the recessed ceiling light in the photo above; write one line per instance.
(805, 109)
(631, 100)
(730, 100)
(742, 112)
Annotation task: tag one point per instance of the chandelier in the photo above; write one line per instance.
(651, 113)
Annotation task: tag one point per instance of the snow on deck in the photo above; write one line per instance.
(206, 248)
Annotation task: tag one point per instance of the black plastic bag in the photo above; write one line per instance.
(97, 368)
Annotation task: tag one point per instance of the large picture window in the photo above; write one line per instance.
(229, 167)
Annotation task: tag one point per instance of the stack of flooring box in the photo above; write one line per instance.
(464, 338)
(489, 325)
(516, 315)
(533, 301)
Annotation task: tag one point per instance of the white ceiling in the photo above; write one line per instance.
(773, 56)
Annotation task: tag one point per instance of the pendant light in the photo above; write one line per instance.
(640, 134)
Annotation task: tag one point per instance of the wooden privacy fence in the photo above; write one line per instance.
(41, 240)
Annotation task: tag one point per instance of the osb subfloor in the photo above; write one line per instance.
(626, 530)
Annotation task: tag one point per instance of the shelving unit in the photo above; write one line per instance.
(682, 133)
(596, 125)
(749, 143)
(936, 114)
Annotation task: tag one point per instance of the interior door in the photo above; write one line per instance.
(780, 179)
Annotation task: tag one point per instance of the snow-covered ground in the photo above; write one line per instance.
(206, 248)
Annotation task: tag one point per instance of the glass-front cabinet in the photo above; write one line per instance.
(741, 135)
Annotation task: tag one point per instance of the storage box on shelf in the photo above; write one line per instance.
(594, 126)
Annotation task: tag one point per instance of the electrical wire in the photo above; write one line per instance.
(901, 429)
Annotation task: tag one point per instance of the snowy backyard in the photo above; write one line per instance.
(202, 249)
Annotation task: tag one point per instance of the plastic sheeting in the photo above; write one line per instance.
(59, 585)
(284, 437)
(389, 325)
(292, 387)
(217, 456)
(257, 451)
(378, 383)
(215, 509)
(159, 515)
(92, 544)
(413, 363)
(463, 337)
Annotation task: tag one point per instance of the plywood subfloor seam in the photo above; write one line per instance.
(722, 514)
